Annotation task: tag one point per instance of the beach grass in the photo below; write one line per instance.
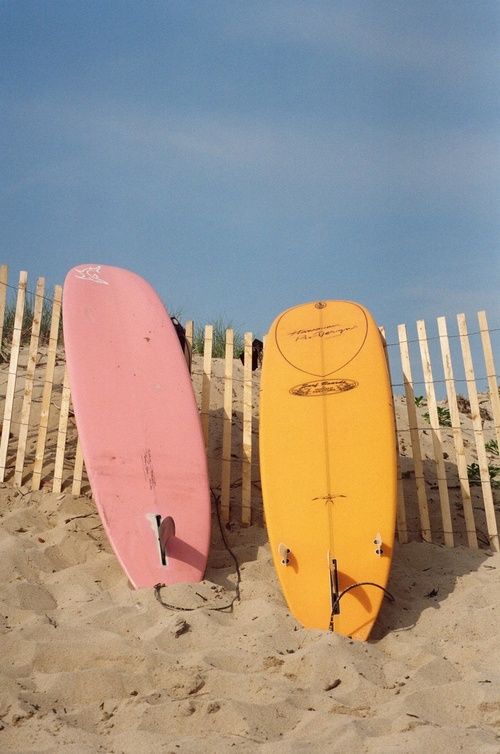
(219, 339)
(27, 324)
(220, 325)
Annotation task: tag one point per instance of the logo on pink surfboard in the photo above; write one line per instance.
(92, 273)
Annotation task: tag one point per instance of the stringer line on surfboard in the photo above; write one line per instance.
(332, 562)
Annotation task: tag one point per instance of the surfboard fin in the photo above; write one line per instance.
(334, 585)
(284, 553)
(166, 530)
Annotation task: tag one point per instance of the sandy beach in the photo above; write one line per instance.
(90, 665)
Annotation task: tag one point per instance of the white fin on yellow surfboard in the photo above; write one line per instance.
(378, 545)
(284, 553)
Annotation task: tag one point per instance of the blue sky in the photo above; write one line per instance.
(248, 156)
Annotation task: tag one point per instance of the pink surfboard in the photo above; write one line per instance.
(138, 425)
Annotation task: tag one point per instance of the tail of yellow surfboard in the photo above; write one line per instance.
(328, 463)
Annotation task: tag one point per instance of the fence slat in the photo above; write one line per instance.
(76, 487)
(425, 525)
(12, 377)
(456, 427)
(246, 484)
(490, 371)
(206, 382)
(401, 525)
(437, 440)
(29, 381)
(4, 278)
(47, 389)
(61, 434)
(478, 434)
(227, 426)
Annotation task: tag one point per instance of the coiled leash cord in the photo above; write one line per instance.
(237, 597)
(355, 586)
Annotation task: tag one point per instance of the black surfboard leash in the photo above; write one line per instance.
(339, 596)
(237, 596)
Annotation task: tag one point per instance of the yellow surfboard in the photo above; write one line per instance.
(328, 464)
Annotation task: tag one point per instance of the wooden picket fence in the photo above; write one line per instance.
(447, 486)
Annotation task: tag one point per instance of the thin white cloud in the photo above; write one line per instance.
(377, 31)
(299, 160)
(446, 159)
